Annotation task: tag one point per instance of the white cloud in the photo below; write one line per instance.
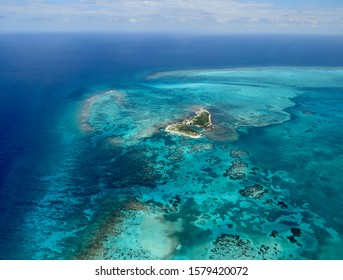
(200, 15)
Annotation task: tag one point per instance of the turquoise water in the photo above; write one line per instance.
(89, 171)
(270, 193)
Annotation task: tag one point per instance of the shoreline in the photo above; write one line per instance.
(169, 130)
(202, 120)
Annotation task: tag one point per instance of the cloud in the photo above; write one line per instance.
(200, 15)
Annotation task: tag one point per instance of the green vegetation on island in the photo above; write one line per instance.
(188, 127)
(202, 119)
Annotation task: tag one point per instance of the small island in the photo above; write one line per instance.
(193, 126)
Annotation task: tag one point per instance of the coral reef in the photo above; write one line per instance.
(198, 148)
(255, 191)
(238, 154)
(296, 232)
(175, 202)
(214, 160)
(228, 246)
(236, 170)
(282, 205)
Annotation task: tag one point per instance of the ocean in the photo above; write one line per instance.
(88, 169)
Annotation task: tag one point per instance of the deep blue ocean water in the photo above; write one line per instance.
(56, 190)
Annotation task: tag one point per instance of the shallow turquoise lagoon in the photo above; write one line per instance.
(265, 182)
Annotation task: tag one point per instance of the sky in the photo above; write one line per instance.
(195, 16)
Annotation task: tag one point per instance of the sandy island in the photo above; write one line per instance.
(193, 126)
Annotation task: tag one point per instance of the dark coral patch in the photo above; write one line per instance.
(255, 191)
(296, 232)
(236, 170)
